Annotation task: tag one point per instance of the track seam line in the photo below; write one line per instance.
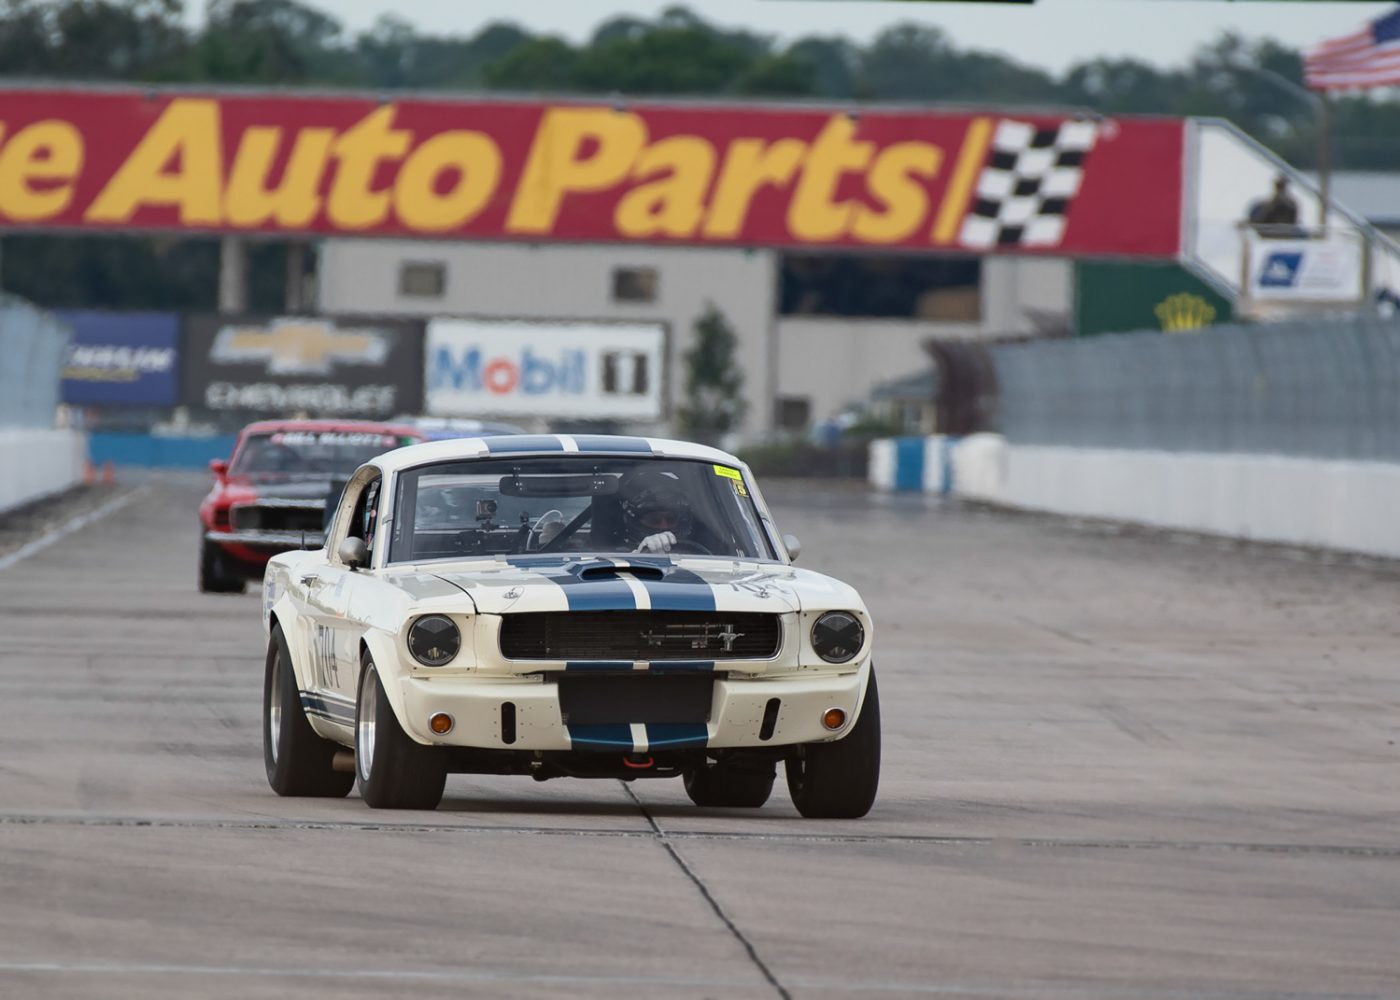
(67, 528)
(1378, 851)
(699, 883)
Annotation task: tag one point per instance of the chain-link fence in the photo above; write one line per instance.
(32, 347)
(1328, 388)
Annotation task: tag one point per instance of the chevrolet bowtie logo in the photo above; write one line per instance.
(299, 346)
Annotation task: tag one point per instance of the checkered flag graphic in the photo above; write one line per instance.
(1025, 190)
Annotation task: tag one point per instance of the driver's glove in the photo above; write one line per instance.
(659, 542)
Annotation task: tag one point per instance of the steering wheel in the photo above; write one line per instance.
(554, 516)
(557, 542)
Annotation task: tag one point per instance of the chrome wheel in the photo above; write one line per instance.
(274, 710)
(365, 727)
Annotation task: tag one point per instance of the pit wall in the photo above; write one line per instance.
(1344, 505)
(154, 451)
(35, 463)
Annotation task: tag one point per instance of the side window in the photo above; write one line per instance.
(364, 515)
(368, 510)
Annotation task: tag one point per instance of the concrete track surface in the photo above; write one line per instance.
(1114, 767)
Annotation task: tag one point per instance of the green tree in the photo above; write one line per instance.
(268, 41)
(778, 76)
(539, 64)
(713, 382)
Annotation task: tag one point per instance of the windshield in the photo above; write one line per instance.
(310, 454)
(603, 506)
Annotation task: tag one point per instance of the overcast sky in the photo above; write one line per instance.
(1051, 34)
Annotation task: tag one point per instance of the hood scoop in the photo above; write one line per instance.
(604, 571)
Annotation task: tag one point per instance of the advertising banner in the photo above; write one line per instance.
(1131, 296)
(123, 359)
(744, 174)
(518, 369)
(367, 368)
(1307, 270)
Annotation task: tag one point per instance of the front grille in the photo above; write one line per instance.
(640, 635)
(297, 516)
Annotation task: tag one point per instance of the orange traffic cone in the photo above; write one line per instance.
(109, 474)
(89, 472)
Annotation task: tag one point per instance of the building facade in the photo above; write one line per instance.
(817, 332)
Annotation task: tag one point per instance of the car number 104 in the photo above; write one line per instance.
(323, 657)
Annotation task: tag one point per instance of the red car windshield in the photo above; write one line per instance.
(310, 454)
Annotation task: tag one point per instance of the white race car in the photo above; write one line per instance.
(552, 605)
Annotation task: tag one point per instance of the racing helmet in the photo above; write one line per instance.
(653, 502)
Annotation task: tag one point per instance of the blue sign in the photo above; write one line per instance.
(1280, 269)
(125, 359)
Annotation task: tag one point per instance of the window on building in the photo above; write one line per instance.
(882, 286)
(625, 373)
(794, 412)
(635, 284)
(422, 279)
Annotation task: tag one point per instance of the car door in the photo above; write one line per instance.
(335, 637)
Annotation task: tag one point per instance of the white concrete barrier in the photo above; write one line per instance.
(880, 469)
(977, 467)
(37, 463)
(1345, 505)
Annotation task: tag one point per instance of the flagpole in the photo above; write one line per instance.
(1324, 157)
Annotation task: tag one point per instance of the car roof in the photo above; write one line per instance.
(313, 426)
(548, 444)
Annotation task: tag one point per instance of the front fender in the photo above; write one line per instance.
(383, 650)
(283, 612)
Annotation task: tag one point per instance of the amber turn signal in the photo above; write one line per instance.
(834, 718)
(441, 723)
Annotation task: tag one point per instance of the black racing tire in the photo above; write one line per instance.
(392, 770)
(839, 780)
(730, 786)
(298, 761)
(212, 579)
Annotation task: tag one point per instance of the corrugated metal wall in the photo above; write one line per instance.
(32, 347)
(1325, 388)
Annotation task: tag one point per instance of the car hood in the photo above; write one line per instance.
(295, 489)
(585, 583)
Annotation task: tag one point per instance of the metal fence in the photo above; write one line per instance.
(1326, 388)
(32, 348)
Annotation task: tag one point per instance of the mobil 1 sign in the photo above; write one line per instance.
(563, 369)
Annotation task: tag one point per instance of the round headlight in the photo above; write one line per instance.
(837, 636)
(434, 640)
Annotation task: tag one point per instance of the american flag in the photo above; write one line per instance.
(1366, 58)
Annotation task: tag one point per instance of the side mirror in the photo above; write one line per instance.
(218, 467)
(353, 552)
(793, 546)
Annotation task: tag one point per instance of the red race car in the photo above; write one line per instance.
(272, 495)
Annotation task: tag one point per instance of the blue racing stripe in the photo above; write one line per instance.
(597, 595)
(611, 737)
(680, 590)
(522, 442)
(676, 735)
(314, 703)
(680, 666)
(608, 593)
(545, 560)
(627, 665)
(602, 442)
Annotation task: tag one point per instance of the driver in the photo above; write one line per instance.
(656, 514)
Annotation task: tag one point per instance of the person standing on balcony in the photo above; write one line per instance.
(1275, 217)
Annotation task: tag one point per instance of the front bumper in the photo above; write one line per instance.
(736, 714)
(269, 543)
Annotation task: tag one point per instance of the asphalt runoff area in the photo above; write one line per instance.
(1115, 767)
